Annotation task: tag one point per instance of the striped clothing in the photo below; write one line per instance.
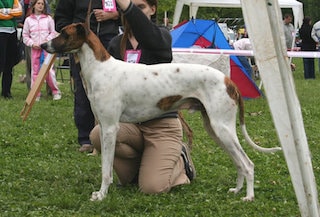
(9, 10)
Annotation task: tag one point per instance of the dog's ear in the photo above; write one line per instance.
(81, 30)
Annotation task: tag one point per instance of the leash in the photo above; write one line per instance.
(73, 88)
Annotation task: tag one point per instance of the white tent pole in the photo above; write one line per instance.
(177, 12)
(275, 73)
(193, 10)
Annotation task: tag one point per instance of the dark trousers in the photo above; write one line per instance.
(8, 51)
(83, 116)
(308, 65)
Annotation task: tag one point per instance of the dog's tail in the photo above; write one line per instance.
(246, 135)
(234, 93)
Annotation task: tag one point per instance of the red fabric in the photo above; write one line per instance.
(243, 83)
(202, 42)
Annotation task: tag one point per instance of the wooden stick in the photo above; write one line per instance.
(36, 87)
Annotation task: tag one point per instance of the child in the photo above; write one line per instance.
(39, 28)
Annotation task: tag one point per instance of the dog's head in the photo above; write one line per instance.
(70, 39)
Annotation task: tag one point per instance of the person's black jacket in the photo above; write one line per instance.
(154, 41)
(75, 11)
(307, 42)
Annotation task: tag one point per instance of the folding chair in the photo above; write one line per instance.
(63, 63)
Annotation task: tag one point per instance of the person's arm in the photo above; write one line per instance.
(148, 34)
(64, 14)
(51, 28)
(9, 13)
(26, 34)
(123, 4)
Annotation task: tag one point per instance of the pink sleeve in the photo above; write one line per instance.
(26, 33)
(52, 30)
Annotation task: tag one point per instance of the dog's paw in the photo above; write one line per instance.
(234, 190)
(248, 198)
(97, 196)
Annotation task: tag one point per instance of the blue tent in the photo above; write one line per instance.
(207, 34)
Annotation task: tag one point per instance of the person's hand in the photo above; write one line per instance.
(35, 46)
(5, 11)
(102, 15)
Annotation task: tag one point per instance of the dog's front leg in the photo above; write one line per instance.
(108, 141)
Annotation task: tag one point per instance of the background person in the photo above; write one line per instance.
(244, 44)
(307, 44)
(105, 25)
(9, 10)
(289, 31)
(315, 34)
(150, 153)
(39, 28)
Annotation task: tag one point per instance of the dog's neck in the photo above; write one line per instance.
(100, 53)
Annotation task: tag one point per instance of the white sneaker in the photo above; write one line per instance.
(57, 96)
(38, 99)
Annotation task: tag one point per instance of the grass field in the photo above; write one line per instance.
(43, 174)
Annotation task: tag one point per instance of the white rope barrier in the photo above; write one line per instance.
(303, 54)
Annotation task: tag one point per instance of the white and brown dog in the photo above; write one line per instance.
(125, 92)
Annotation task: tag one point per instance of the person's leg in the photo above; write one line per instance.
(3, 57)
(308, 64)
(27, 54)
(162, 166)
(305, 68)
(35, 66)
(128, 151)
(9, 50)
(52, 82)
(312, 69)
(83, 116)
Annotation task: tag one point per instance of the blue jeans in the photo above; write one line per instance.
(308, 65)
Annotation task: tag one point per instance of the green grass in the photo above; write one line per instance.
(43, 174)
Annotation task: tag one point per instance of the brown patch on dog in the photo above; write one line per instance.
(155, 73)
(235, 94)
(232, 89)
(166, 103)
(100, 52)
(178, 70)
(70, 38)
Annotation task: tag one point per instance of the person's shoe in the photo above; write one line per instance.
(188, 164)
(38, 99)
(86, 148)
(57, 96)
(6, 95)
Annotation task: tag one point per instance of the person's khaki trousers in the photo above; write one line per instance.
(150, 151)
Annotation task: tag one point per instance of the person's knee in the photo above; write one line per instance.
(95, 138)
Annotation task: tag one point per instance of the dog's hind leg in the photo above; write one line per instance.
(108, 141)
(223, 131)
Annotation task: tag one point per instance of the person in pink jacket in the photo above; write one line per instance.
(39, 28)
